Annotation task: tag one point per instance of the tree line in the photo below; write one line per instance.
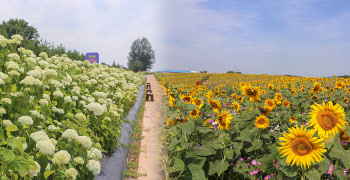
(32, 40)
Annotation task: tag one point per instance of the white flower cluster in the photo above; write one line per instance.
(96, 108)
(70, 134)
(85, 141)
(2, 111)
(61, 157)
(94, 153)
(6, 100)
(39, 136)
(79, 160)
(94, 166)
(80, 116)
(25, 120)
(45, 147)
(6, 122)
(72, 173)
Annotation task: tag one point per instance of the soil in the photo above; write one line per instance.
(150, 155)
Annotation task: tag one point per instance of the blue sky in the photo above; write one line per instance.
(298, 37)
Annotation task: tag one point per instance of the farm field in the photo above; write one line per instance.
(59, 116)
(241, 126)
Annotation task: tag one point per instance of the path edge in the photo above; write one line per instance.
(112, 167)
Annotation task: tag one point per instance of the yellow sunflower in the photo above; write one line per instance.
(339, 84)
(215, 104)
(236, 106)
(240, 99)
(286, 103)
(270, 86)
(292, 119)
(171, 101)
(301, 147)
(262, 122)
(278, 98)
(327, 119)
(315, 88)
(194, 113)
(198, 102)
(265, 110)
(224, 120)
(253, 94)
(345, 100)
(187, 98)
(270, 103)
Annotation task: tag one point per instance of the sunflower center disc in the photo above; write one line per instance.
(327, 120)
(221, 120)
(261, 121)
(250, 92)
(301, 146)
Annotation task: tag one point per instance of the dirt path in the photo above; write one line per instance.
(150, 156)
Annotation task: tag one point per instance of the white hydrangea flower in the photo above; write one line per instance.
(85, 141)
(25, 120)
(53, 127)
(6, 122)
(44, 102)
(70, 134)
(53, 141)
(61, 157)
(14, 73)
(34, 73)
(58, 93)
(44, 64)
(71, 172)
(94, 166)
(12, 65)
(30, 60)
(13, 56)
(43, 55)
(100, 94)
(80, 116)
(68, 99)
(46, 96)
(94, 153)
(96, 108)
(6, 100)
(56, 83)
(50, 72)
(3, 76)
(39, 136)
(79, 160)
(75, 98)
(45, 147)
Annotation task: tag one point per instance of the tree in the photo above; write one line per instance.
(114, 65)
(31, 39)
(141, 55)
(19, 26)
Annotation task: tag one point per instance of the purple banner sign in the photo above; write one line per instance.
(92, 57)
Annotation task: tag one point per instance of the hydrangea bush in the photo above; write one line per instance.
(58, 116)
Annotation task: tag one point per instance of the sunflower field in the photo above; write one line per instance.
(58, 116)
(240, 126)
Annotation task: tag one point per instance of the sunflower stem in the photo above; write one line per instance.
(303, 174)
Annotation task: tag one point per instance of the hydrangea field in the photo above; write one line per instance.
(241, 126)
(58, 116)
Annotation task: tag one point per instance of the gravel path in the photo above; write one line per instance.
(150, 156)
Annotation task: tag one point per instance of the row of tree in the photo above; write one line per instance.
(141, 56)
(32, 40)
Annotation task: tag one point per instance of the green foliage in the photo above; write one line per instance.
(141, 56)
